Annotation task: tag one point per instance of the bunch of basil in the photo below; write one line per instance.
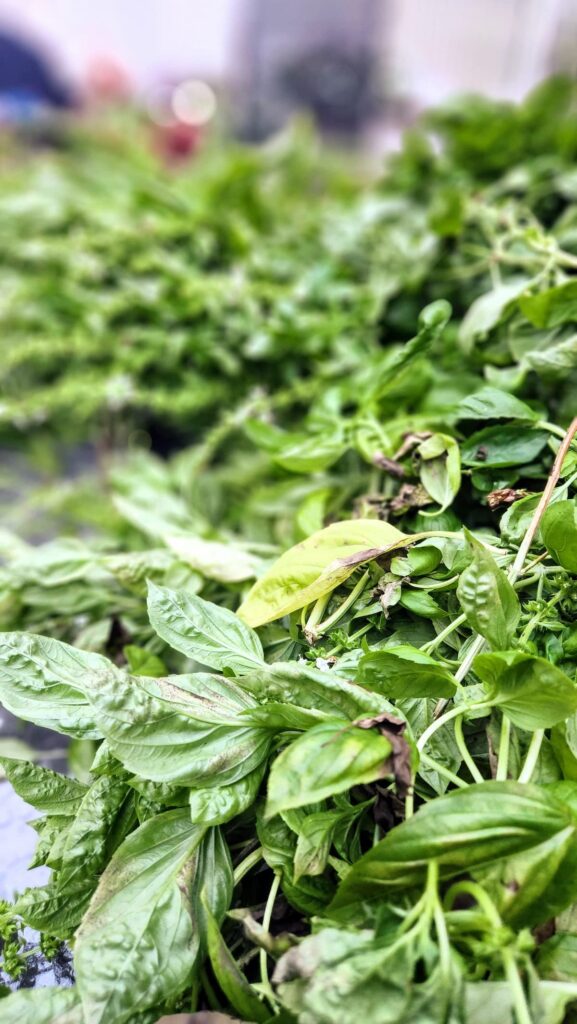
(330, 766)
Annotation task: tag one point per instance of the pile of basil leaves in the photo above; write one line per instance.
(318, 666)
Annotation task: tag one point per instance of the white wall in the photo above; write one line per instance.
(150, 37)
(497, 47)
(435, 47)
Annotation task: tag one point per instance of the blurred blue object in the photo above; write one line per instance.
(28, 86)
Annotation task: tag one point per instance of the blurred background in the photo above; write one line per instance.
(364, 68)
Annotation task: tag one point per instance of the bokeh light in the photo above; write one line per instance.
(194, 102)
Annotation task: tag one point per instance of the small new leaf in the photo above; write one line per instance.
(488, 599)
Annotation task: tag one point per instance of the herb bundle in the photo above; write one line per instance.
(332, 761)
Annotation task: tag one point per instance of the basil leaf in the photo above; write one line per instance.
(421, 603)
(557, 957)
(551, 307)
(304, 454)
(315, 838)
(203, 631)
(44, 789)
(533, 693)
(432, 321)
(440, 468)
(95, 817)
(318, 691)
(486, 311)
(212, 884)
(316, 566)
(328, 759)
(462, 830)
(42, 1006)
(182, 729)
(404, 671)
(487, 598)
(500, 447)
(536, 885)
(215, 806)
(240, 994)
(138, 941)
(493, 404)
(46, 682)
(556, 361)
(58, 913)
(559, 533)
(227, 563)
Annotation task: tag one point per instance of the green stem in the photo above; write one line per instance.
(266, 925)
(503, 754)
(551, 428)
(440, 637)
(535, 620)
(524, 547)
(247, 865)
(323, 627)
(532, 757)
(479, 895)
(447, 717)
(318, 609)
(443, 940)
(520, 1006)
(410, 801)
(430, 762)
(464, 752)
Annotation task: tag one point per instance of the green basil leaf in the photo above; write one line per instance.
(239, 993)
(142, 663)
(215, 806)
(493, 404)
(138, 942)
(280, 717)
(306, 454)
(494, 1001)
(42, 1006)
(315, 837)
(486, 311)
(46, 682)
(44, 789)
(557, 957)
(212, 884)
(333, 976)
(487, 598)
(316, 690)
(432, 321)
(309, 895)
(404, 671)
(316, 566)
(227, 563)
(421, 603)
(203, 631)
(182, 729)
(328, 759)
(559, 533)
(499, 447)
(440, 468)
(536, 885)
(532, 692)
(462, 830)
(551, 307)
(95, 818)
(556, 361)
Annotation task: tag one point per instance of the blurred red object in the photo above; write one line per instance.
(178, 142)
(107, 81)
